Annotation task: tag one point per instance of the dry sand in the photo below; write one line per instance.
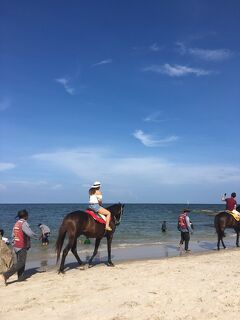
(190, 287)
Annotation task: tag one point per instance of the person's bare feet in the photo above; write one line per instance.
(108, 229)
(2, 280)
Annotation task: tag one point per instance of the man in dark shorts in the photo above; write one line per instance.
(184, 225)
(45, 233)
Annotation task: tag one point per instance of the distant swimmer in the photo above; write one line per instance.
(95, 203)
(21, 244)
(164, 226)
(231, 203)
(184, 225)
(45, 233)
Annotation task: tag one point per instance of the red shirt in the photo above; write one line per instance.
(230, 204)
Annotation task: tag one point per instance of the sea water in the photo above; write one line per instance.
(138, 236)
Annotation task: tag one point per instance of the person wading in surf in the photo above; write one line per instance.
(184, 226)
(95, 203)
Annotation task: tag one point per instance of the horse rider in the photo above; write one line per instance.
(231, 203)
(95, 203)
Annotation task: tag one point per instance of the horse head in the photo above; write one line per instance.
(117, 212)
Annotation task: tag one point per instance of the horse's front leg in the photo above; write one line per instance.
(109, 245)
(97, 243)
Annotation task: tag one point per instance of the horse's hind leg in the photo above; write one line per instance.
(64, 254)
(97, 243)
(74, 251)
(218, 243)
(237, 241)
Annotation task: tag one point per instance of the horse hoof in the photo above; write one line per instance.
(61, 272)
(90, 265)
(110, 264)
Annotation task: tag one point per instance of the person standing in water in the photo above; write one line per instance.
(164, 226)
(21, 243)
(184, 226)
(45, 233)
(95, 203)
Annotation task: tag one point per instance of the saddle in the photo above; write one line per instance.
(235, 215)
(96, 216)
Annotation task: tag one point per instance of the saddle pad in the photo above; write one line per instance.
(235, 215)
(99, 218)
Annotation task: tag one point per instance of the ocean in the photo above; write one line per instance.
(138, 236)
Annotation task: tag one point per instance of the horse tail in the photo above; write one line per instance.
(61, 236)
(218, 227)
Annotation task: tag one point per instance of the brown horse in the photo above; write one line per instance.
(225, 220)
(80, 222)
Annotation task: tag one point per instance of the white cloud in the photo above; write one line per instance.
(107, 61)
(57, 186)
(65, 83)
(205, 54)
(5, 104)
(149, 141)
(6, 166)
(153, 117)
(155, 47)
(211, 55)
(176, 70)
(93, 164)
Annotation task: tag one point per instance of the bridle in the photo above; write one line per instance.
(118, 221)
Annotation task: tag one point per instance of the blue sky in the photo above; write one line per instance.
(141, 95)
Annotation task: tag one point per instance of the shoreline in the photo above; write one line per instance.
(141, 252)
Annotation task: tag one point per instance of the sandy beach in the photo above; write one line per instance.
(204, 286)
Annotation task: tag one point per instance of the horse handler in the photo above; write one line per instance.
(184, 226)
(21, 243)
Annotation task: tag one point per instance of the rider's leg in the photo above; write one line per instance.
(106, 213)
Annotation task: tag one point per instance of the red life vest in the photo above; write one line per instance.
(182, 221)
(19, 238)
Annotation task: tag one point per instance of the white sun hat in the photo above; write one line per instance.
(96, 184)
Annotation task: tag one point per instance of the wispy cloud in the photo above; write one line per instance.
(65, 83)
(177, 70)
(149, 141)
(107, 61)
(205, 54)
(5, 103)
(6, 166)
(133, 170)
(155, 47)
(153, 117)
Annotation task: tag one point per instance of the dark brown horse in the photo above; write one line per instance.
(79, 222)
(225, 220)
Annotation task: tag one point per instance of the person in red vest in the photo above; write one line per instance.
(21, 243)
(184, 225)
(231, 203)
